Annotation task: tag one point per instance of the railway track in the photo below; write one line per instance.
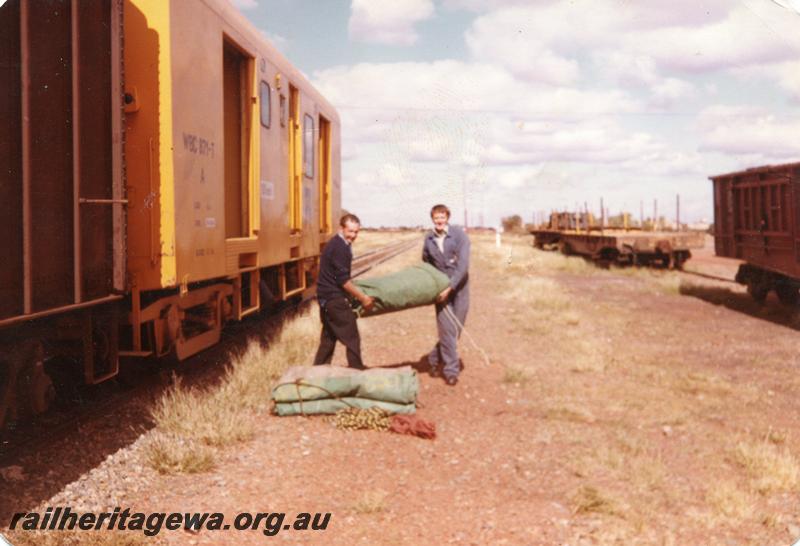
(84, 407)
(368, 260)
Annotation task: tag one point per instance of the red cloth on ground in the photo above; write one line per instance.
(411, 424)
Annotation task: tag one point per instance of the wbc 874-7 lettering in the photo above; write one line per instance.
(198, 145)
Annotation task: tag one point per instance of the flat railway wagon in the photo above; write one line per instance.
(164, 170)
(757, 220)
(577, 234)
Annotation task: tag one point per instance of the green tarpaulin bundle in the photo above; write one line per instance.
(410, 287)
(327, 389)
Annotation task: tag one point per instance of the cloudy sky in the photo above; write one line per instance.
(520, 106)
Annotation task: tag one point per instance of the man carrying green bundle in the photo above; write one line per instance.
(446, 247)
(333, 287)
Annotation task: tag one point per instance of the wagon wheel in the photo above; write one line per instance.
(24, 385)
(788, 294)
(758, 291)
(8, 382)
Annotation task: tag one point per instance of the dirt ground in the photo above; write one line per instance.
(616, 407)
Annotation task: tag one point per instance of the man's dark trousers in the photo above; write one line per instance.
(338, 322)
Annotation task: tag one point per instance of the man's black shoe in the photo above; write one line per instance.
(435, 371)
(451, 381)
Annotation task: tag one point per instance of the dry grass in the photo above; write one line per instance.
(729, 501)
(517, 256)
(192, 423)
(589, 499)
(696, 383)
(515, 376)
(205, 416)
(632, 409)
(569, 413)
(370, 502)
(173, 454)
(634, 469)
(771, 468)
(664, 281)
(539, 307)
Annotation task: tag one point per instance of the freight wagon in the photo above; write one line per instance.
(757, 220)
(579, 234)
(164, 170)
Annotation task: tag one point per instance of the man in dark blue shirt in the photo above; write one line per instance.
(446, 248)
(333, 287)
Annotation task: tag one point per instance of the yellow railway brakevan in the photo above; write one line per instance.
(165, 170)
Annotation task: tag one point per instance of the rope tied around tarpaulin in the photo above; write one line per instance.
(300, 382)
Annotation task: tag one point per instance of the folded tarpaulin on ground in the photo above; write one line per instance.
(410, 287)
(327, 389)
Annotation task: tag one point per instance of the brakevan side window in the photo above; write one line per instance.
(308, 146)
(264, 96)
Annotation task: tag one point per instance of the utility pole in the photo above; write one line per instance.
(655, 213)
(586, 216)
(602, 215)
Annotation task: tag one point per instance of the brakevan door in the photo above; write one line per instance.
(324, 175)
(237, 141)
(295, 162)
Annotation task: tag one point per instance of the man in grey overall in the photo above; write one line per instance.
(446, 248)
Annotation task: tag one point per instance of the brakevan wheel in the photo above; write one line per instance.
(788, 294)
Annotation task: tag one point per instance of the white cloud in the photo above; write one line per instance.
(520, 46)
(640, 71)
(749, 133)
(541, 42)
(387, 175)
(387, 22)
(743, 37)
(785, 74)
(481, 5)
(372, 96)
(596, 141)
